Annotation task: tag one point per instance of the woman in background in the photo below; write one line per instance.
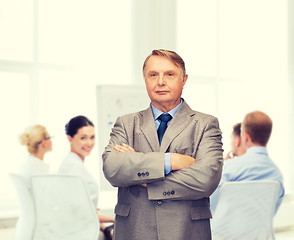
(38, 142)
(80, 132)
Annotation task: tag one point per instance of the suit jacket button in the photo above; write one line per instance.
(164, 193)
(139, 174)
(172, 192)
(147, 173)
(168, 193)
(143, 174)
(159, 202)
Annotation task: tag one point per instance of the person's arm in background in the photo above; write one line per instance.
(105, 218)
(107, 230)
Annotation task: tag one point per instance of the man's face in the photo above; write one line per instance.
(164, 82)
(234, 144)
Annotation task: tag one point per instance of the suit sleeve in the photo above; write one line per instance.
(202, 178)
(123, 169)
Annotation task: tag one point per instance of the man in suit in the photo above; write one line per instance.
(164, 182)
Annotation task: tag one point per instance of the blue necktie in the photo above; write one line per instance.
(164, 118)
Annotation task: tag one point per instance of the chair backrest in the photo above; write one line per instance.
(26, 221)
(64, 210)
(245, 210)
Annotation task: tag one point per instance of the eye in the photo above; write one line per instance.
(83, 138)
(152, 74)
(93, 137)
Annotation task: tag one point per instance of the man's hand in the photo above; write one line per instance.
(229, 156)
(179, 161)
(124, 148)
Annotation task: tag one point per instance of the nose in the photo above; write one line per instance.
(161, 80)
(91, 142)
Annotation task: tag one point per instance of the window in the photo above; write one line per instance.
(238, 50)
(14, 115)
(16, 26)
(52, 56)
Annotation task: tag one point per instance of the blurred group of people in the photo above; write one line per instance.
(80, 133)
(248, 159)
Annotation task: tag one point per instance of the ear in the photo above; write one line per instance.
(43, 144)
(246, 137)
(185, 79)
(239, 141)
(69, 138)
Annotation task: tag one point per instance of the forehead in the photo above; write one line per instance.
(87, 130)
(157, 63)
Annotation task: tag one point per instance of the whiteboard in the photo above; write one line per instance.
(114, 101)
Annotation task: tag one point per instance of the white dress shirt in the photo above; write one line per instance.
(33, 166)
(73, 165)
(255, 164)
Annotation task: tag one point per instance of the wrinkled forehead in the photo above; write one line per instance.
(158, 60)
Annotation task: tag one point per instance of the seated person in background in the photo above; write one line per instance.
(255, 164)
(237, 148)
(80, 132)
(38, 142)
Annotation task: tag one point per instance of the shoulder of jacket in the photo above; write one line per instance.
(204, 117)
(197, 114)
(134, 114)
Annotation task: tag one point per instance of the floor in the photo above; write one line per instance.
(8, 234)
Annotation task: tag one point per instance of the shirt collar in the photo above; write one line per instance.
(75, 156)
(156, 112)
(257, 149)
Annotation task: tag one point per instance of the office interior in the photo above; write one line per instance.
(239, 56)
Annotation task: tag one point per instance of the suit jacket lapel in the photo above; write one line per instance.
(176, 126)
(149, 129)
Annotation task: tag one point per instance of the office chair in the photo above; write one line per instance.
(64, 210)
(245, 211)
(26, 222)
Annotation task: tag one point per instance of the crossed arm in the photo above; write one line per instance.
(189, 179)
(178, 161)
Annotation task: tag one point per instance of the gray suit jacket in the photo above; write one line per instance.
(175, 206)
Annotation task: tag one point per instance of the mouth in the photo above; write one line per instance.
(87, 149)
(161, 92)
